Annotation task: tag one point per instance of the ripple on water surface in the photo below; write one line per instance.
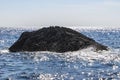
(79, 65)
(85, 64)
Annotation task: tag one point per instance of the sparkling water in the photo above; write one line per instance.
(78, 65)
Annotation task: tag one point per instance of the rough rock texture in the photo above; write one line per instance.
(57, 39)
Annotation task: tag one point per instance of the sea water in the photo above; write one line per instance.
(77, 65)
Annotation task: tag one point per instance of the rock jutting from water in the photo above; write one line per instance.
(55, 39)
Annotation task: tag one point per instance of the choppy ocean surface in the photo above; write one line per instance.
(78, 65)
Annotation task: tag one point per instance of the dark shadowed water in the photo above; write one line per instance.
(79, 65)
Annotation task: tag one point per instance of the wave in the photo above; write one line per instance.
(4, 51)
(76, 60)
(81, 64)
(86, 54)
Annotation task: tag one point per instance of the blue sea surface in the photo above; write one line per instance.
(78, 65)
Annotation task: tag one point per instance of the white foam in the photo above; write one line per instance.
(90, 55)
(86, 54)
(4, 51)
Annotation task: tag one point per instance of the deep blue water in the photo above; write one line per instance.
(78, 65)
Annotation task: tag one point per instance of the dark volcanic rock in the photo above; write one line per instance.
(57, 39)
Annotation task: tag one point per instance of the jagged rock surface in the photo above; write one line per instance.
(56, 39)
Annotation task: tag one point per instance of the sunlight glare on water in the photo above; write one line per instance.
(84, 64)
